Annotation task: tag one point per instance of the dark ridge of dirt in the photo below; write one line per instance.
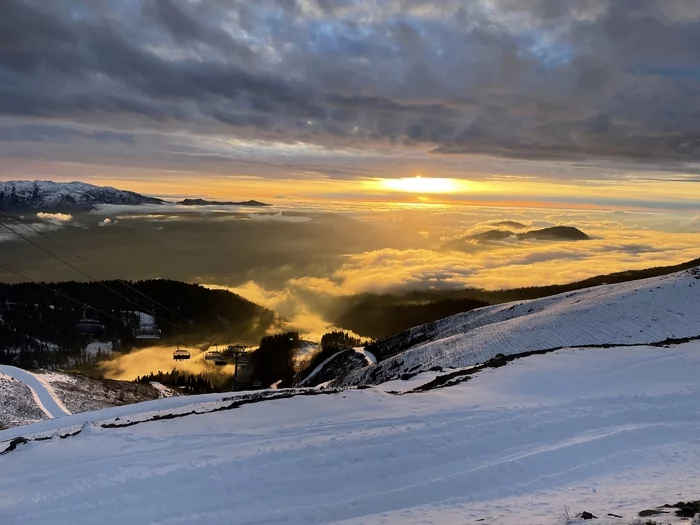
(243, 400)
(651, 512)
(688, 509)
(460, 376)
(237, 402)
(499, 360)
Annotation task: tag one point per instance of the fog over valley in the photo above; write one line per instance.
(307, 260)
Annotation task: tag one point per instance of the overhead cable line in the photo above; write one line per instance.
(77, 269)
(42, 234)
(60, 294)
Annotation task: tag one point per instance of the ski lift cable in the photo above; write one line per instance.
(77, 269)
(60, 294)
(39, 232)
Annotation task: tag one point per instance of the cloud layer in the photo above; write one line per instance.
(531, 79)
(55, 217)
(306, 271)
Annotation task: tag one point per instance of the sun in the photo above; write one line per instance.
(420, 185)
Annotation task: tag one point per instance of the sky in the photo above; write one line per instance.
(581, 104)
(381, 131)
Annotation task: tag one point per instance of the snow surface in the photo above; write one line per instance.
(103, 347)
(368, 355)
(638, 312)
(17, 405)
(163, 390)
(330, 363)
(603, 430)
(65, 195)
(316, 370)
(146, 320)
(73, 392)
(41, 390)
(79, 393)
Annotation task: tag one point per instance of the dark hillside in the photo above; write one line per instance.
(378, 316)
(41, 318)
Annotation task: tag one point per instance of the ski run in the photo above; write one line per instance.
(42, 392)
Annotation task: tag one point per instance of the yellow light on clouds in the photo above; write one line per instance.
(423, 185)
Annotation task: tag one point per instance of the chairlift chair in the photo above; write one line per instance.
(147, 334)
(87, 326)
(147, 331)
(215, 356)
(179, 354)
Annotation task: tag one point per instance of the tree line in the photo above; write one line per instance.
(36, 317)
(185, 383)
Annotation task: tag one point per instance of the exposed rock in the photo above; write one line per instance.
(687, 510)
(651, 512)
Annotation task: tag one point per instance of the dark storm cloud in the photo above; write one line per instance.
(518, 78)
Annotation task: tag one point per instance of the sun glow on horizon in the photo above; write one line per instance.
(423, 185)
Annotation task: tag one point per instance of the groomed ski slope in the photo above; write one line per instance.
(612, 430)
(17, 406)
(639, 312)
(41, 391)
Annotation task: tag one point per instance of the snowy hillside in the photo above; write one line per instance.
(43, 195)
(336, 365)
(17, 405)
(26, 397)
(606, 431)
(639, 312)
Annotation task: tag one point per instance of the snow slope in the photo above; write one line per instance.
(603, 430)
(43, 394)
(638, 312)
(338, 364)
(17, 405)
(368, 355)
(37, 195)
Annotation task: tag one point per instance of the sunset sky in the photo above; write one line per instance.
(385, 133)
(581, 104)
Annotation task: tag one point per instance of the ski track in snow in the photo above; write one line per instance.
(42, 392)
(316, 370)
(368, 355)
(602, 430)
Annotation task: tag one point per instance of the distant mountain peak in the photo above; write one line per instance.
(510, 224)
(554, 233)
(49, 195)
(76, 196)
(203, 202)
(557, 233)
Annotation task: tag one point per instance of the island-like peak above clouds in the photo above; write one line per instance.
(75, 196)
(554, 233)
(202, 202)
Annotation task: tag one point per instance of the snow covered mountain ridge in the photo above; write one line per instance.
(640, 312)
(49, 195)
